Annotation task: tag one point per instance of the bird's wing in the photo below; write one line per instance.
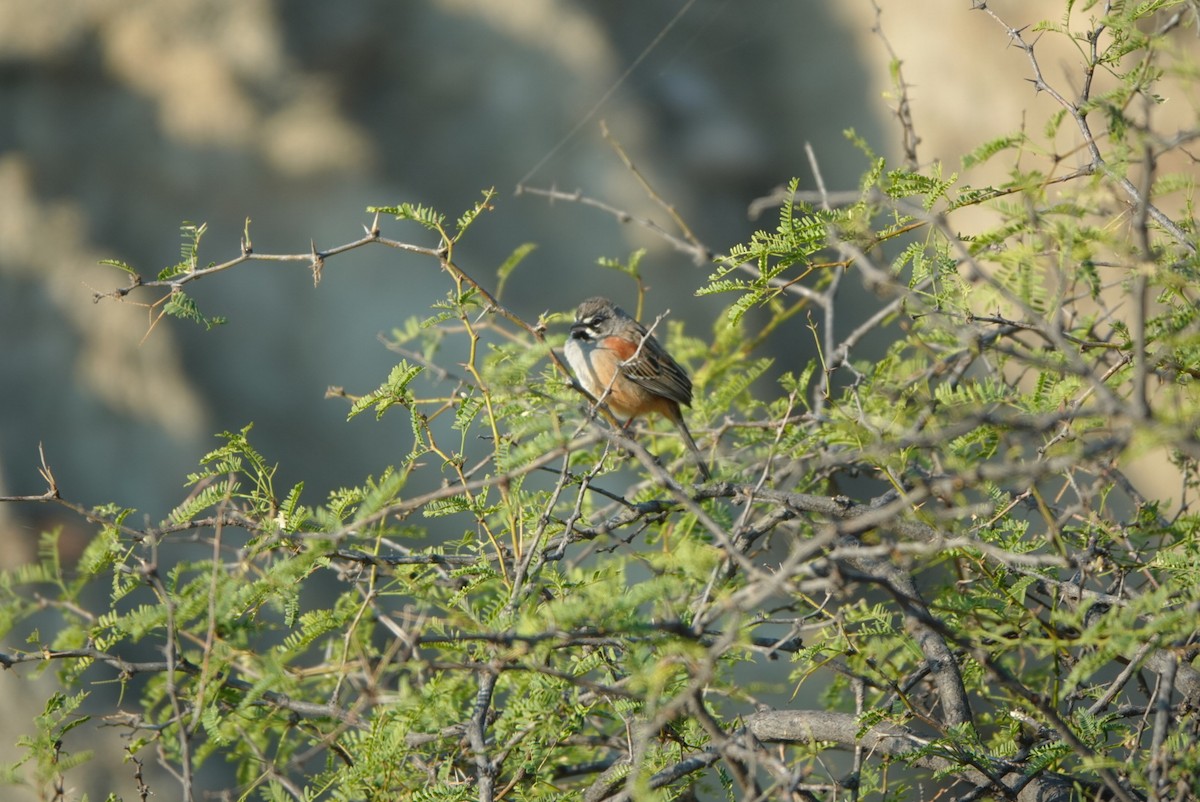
(654, 369)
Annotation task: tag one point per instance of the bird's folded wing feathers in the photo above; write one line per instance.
(654, 369)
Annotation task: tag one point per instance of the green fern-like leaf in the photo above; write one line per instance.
(117, 263)
(465, 412)
(444, 507)
(470, 215)
(208, 497)
(904, 184)
(990, 148)
(510, 264)
(418, 213)
(631, 267)
(391, 392)
(182, 306)
(290, 517)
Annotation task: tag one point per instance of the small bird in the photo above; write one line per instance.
(619, 362)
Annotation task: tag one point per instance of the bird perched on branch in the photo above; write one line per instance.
(618, 361)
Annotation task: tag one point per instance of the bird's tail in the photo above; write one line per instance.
(695, 449)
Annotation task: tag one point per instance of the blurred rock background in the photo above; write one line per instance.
(119, 119)
(122, 119)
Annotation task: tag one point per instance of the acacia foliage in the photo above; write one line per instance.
(930, 561)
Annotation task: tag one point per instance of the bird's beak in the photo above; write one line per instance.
(579, 331)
